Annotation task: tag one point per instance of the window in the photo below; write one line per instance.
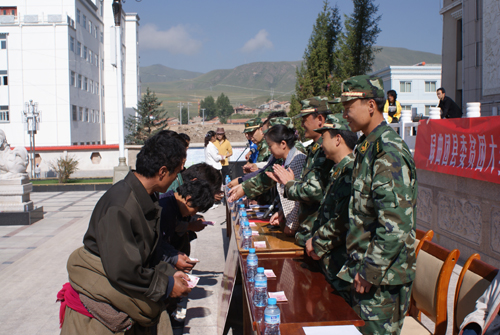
(74, 113)
(91, 59)
(4, 114)
(85, 84)
(102, 37)
(405, 86)
(428, 108)
(78, 48)
(73, 79)
(406, 107)
(97, 116)
(78, 15)
(96, 32)
(84, 21)
(430, 86)
(79, 81)
(96, 88)
(86, 115)
(3, 45)
(71, 44)
(80, 114)
(84, 52)
(91, 86)
(96, 60)
(5, 81)
(90, 27)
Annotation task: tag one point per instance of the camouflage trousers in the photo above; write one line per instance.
(383, 308)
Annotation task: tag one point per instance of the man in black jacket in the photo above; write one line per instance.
(449, 109)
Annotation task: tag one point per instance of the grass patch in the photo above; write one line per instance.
(72, 181)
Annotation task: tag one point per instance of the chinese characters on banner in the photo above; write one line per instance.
(467, 147)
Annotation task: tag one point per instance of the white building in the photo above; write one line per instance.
(415, 85)
(57, 53)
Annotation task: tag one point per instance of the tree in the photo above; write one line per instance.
(319, 73)
(184, 113)
(224, 108)
(362, 32)
(210, 110)
(149, 119)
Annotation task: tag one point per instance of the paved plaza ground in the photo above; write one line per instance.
(33, 267)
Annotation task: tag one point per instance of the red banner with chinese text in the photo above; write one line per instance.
(467, 147)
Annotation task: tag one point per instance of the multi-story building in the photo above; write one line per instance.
(56, 53)
(471, 53)
(415, 85)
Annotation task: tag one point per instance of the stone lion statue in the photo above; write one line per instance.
(13, 163)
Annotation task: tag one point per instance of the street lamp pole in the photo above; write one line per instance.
(188, 104)
(122, 169)
(180, 104)
(31, 116)
(203, 119)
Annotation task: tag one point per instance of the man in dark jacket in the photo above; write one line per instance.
(449, 108)
(122, 235)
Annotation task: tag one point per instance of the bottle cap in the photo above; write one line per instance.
(242, 205)
(251, 250)
(244, 214)
(260, 270)
(271, 301)
(246, 224)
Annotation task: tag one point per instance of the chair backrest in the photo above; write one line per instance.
(422, 236)
(474, 279)
(430, 289)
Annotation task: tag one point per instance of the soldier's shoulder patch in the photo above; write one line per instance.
(315, 147)
(364, 146)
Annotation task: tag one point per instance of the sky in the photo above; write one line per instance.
(205, 35)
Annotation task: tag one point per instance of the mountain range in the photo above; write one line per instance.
(251, 83)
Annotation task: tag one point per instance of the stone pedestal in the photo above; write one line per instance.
(16, 208)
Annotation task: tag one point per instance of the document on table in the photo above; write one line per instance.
(331, 330)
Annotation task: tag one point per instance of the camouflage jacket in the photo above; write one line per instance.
(382, 211)
(261, 183)
(264, 152)
(330, 227)
(309, 188)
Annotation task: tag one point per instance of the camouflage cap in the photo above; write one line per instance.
(317, 104)
(286, 121)
(360, 87)
(252, 125)
(334, 121)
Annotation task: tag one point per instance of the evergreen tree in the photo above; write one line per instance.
(319, 73)
(224, 108)
(210, 110)
(184, 113)
(149, 119)
(362, 32)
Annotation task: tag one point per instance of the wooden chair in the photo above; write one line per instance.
(474, 279)
(422, 236)
(430, 289)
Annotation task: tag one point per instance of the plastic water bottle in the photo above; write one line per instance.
(260, 291)
(243, 219)
(252, 262)
(272, 318)
(246, 241)
(241, 209)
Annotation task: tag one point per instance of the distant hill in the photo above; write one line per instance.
(161, 74)
(401, 56)
(250, 84)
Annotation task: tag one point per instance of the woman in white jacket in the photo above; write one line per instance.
(485, 320)
(212, 156)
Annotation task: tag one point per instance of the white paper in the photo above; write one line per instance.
(331, 330)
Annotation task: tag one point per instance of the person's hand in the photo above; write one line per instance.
(282, 174)
(250, 167)
(196, 225)
(310, 250)
(235, 193)
(218, 196)
(184, 263)
(180, 285)
(274, 220)
(233, 183)
(289, 232)
(247, 156)
(361, 285)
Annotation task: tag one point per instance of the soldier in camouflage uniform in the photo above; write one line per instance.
(308, 189)
(253, 129)
(382, 212)
(327, 244)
